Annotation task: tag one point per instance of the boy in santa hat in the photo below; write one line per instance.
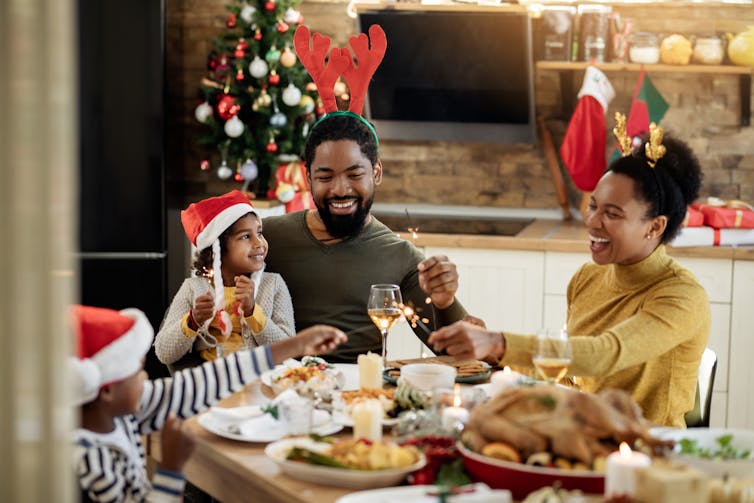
(230, 303)
(119, 405)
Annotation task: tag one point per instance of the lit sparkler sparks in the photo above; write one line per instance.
(414, 319)
(411, 228)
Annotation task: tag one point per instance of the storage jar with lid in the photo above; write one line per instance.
(708, 50)
(645, 48)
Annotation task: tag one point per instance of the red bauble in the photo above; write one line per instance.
(239, 53)
(231, 21)
(274, 79)
(239, 75)
(257, 35)
(272, 147)
(282, 27)
(238, 177)
(242, 44)
(204, 165)
(269, 5)
(227, 107)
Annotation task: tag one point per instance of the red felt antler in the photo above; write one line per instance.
(324, 75)
(358, 76)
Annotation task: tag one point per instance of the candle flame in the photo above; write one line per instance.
(456, 396)
(625, 450)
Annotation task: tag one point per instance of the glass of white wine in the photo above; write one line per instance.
(553, 355)
(384, 308)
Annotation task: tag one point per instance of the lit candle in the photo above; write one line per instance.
(367, 420)
(504, 379)
(455, 415)
(620, 471)
(370, 370)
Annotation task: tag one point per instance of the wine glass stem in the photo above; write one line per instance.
(384, 348)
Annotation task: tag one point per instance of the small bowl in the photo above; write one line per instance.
(428, 376)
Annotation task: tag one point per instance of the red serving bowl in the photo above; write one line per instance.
(523, 479)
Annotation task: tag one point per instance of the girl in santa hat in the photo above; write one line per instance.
(231, 302)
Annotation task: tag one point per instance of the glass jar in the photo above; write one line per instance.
(645, 48)
(594, 22)
(708, 50)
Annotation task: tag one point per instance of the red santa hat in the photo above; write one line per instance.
(111, 345)
(204, 222)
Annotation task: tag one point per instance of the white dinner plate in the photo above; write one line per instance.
(424, 494)
(348, 374)
(346, 420)
(328, 475)
(263, 428)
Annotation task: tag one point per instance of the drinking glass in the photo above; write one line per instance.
(384, 308)
(553, 355)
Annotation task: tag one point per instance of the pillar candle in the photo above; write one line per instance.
(367, 420)
(620, 471)
(451, 417)
(503, 379)
(370, 370)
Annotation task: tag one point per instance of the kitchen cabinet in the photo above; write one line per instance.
(741, 373)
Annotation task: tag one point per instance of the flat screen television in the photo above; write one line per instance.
(455, 76)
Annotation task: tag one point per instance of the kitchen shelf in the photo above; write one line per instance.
(568, 94)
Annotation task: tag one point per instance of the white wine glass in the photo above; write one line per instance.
(384, 308)
(553, 355)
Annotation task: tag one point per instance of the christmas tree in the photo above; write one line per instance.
(258, 100)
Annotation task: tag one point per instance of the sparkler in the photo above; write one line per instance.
(413, 230)
(414, 319)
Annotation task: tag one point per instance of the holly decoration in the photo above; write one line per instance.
(249, 68)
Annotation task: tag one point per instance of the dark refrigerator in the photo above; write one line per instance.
(123, 250)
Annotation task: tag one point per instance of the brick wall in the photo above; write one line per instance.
(704, 110)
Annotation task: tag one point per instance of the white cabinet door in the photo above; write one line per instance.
(741, 368)
(559, 268)
(504, 288)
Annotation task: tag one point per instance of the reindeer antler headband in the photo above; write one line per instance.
(340, 62)
(654, 149)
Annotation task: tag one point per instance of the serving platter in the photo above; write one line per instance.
(522, 479)
(263, 427)
(392, 373)
(340, 477)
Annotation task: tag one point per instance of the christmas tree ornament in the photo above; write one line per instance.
(258, 67)
(307, 102)
(340, 88)
(222, 64)
(231, 21)
(224, 172)
(257, 34)
(249, 170)
(291, 96)
(265, 99)
(311, 87)
(203, 112)
(274, 78)
(292, 16)
(227, 107)
(247, 13)
(272, 147)
(239, 75)
(282, 27)
(278, 120)
(288, 58)
(238, 177)
(212, 61)
(204, 165)
(234, 127)
(273, 55)
(270, 5)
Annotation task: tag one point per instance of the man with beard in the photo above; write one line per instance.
(329, 257)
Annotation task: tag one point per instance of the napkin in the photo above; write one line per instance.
(226, 416)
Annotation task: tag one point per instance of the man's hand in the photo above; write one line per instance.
(177, 444)
(245, 294)
(438, 277)
(466, 341)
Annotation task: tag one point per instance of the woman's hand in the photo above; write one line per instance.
(203, 309)
(439, 278)
(466, 341)
(177, 444)
(245, 294)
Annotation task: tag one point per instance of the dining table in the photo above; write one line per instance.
(235, 471)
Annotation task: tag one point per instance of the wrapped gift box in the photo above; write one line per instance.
(727, 214)
(694, 217)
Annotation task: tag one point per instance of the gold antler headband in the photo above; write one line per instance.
(624, 142)
(654, 149)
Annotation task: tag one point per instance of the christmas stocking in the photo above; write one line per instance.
(583, 149)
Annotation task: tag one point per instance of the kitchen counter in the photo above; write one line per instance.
(559, 236)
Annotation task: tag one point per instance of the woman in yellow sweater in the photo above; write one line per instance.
(637, 319)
